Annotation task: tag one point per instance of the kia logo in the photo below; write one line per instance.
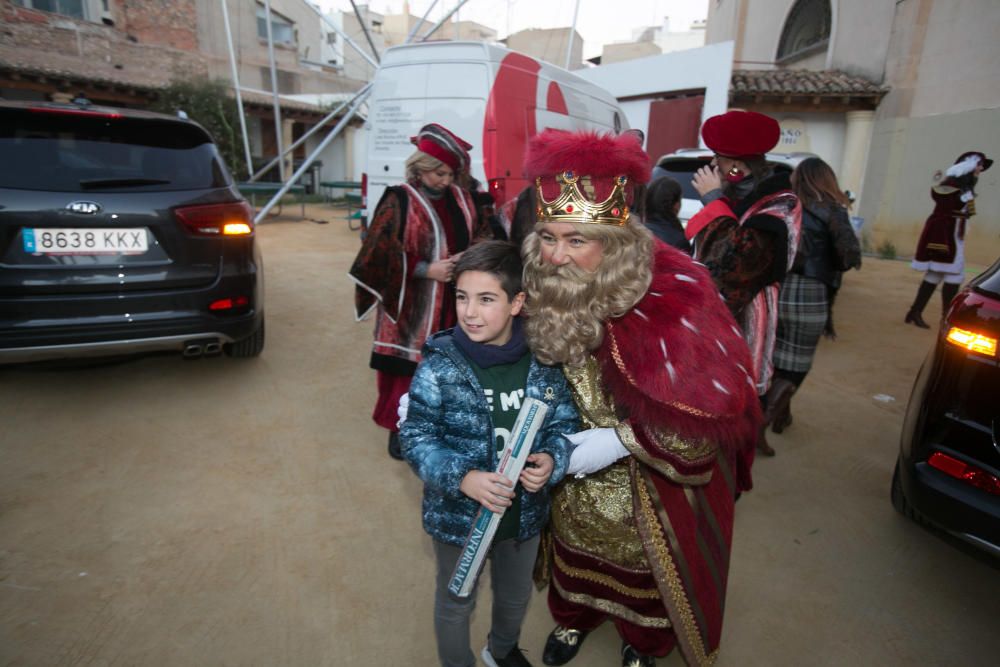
(84, 207)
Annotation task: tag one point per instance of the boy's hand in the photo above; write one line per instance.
(490, 489)
(533, 477)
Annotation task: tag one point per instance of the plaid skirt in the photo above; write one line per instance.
(803, 308)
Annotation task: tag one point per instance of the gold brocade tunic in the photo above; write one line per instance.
(594, 514)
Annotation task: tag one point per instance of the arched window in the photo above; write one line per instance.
(806, 30)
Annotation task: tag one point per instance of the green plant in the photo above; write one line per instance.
(208, 102)
(886, 250)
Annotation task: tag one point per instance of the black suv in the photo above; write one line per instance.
(121, 231)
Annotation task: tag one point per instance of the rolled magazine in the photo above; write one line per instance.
(515, 452)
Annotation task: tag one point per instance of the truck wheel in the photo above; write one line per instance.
(251, 346)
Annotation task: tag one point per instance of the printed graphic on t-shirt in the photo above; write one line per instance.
(509, 403)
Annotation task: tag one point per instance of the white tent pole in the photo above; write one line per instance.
(572, 31)
(312, 131)
(442, 21)
(236, 87)
(274, 90)
(422, 21)
(309, 160)
(368, 35)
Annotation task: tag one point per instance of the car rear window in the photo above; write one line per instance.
(69, 152)
(682, 170)
(989, 281)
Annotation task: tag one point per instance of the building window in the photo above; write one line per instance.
(282, 30)
(72, 8)
(331, 38)
(806, 31)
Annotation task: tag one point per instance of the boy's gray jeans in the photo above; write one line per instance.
(511, 565)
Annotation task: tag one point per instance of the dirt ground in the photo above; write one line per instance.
(228, 512)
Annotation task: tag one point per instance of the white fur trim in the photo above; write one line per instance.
(962, 168)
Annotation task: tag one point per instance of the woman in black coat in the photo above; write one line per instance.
(827, 247)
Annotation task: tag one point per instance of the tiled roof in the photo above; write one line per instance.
(797, 82)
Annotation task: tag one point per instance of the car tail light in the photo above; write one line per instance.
(229, 303)
(235, 219)
(972, 341)
(965, 472)
(498, 188)
(364, 191)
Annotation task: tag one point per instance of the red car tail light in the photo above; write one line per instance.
(229, 303)
(364, 191)
(965, 472)
(235, 219)
(972, 341)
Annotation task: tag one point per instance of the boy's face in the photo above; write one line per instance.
(485, 313)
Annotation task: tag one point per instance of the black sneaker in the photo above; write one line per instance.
(632, 658)
(513, 659)
(562, 645)
(394, 450)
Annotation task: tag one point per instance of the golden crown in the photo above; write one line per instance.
(572, 205)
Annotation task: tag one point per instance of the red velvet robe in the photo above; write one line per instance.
(409, 308)
(677, 372)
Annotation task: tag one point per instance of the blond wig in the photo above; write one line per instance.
(567, 306)
(418, 163)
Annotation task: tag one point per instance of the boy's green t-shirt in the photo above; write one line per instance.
(503, 386)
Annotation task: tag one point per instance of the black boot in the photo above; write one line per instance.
(394, 450)
(948, 292)
(562, 645)
(924, 293)
(632, 658)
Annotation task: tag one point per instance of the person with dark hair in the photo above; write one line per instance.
(941, 248)
(464, 401)
(642, 525)
(663, 201)
(748, 231)
(407, 260)
(827, 247)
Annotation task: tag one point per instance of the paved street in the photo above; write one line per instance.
(244, 512)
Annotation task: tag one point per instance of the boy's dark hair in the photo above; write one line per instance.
(497, 258)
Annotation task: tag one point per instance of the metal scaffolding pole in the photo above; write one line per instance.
(442, 21)
(312, 157)
(422, 21)
(368, 35)
(572, 31)
(274, 90)
(236, 87)
(342, 34)
(298, 142)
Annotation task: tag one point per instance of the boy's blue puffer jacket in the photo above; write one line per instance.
(449, 432)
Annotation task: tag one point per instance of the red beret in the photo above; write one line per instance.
(739, 134)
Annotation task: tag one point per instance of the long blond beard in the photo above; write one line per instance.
(567, 306)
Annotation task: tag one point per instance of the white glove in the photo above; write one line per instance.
(594, 449)
(402, 409)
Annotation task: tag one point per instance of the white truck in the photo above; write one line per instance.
(494, 98)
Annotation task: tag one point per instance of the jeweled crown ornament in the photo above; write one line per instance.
(585, 176)
(573, 205)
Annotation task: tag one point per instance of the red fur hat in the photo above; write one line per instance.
(740, 134)
(603, 157)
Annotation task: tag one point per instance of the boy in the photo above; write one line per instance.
(464, 400)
